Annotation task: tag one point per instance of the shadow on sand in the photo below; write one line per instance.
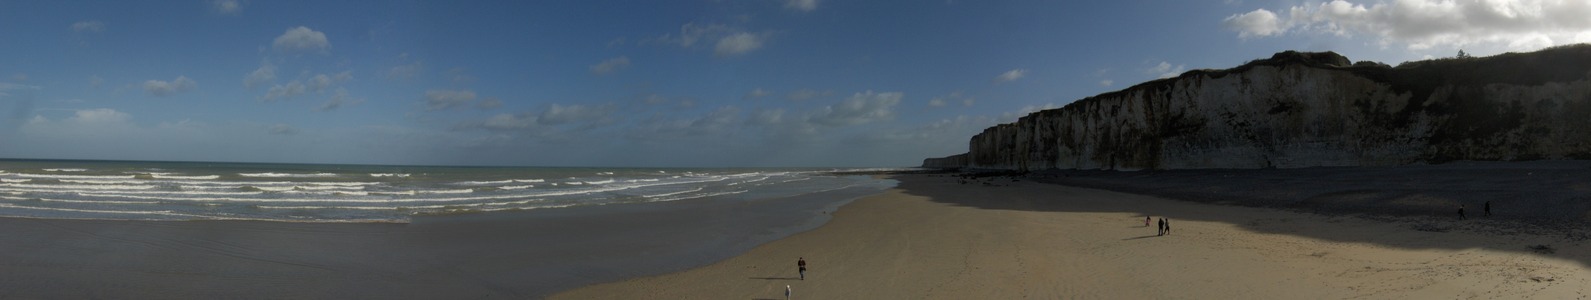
(775, 278)
(1416, 198)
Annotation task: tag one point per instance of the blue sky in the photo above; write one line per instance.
(647, 83)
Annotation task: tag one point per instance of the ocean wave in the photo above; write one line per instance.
(600, 181)
(667, 199)
(604, 173)
(495, 182)
(304, 188)
(53, 176)
(749, 181)
(515, 187)
(574, 183)
(66, 170)
(78, 186)
(97, 201)
(671, 194)
(399, 175)
(7, 180)
(197, 177)
(457, 191)
(529, 180)
(294, 175)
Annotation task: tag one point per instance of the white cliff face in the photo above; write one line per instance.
(1291, 115)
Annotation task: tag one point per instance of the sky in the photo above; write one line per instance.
(730, 83)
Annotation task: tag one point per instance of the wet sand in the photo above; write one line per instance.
(934, 238)
(515, 255)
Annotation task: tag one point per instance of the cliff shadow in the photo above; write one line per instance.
(1544, 203)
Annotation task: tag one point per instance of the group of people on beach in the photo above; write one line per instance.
(1165, 225)
(1487, 210)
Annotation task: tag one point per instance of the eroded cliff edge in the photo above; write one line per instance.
(1312, 109)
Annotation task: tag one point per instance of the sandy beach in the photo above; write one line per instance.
(934, 238)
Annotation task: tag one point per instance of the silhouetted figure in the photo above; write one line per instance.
(1488, 208)
(1161, 230)
(1146, 221)
(787, 292)
(801, 264)
(1460, 211)
(1168, 227)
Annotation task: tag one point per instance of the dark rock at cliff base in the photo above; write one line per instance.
(1300, 109)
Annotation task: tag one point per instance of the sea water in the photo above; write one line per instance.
(121, 190)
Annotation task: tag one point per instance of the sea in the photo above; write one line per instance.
(183, 191)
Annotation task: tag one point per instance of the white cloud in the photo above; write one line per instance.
(956, 97)
(263, 75)
(167, 88)
(281, 129)
(727, 41)
(509, 121)
(1107, 82)
(227, 7)
(339, 99)
(1165, 70)
(756, 93)
(560, 114)
(88, 26)
(322, 82)
(100, 115)
(445, 99)
(489, 103)
(610, 65)
(860, 108)
(408, 71)
(806, 94)
(95, 81)
(292, 89)
(301, 39)
(1260, 22)
(1011, 75)
(801, 5)
(737, 44)
(1424, 24)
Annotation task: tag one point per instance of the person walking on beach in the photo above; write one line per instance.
(1488, 208)
(1146, 221)
(1168, 226)
(787, 292)
(1460, 211)
(801, 265)
(1160, 228)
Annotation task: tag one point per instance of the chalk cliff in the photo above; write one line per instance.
(1312, 109)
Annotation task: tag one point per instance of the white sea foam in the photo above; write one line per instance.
(7, 180)
(292, 175)
(97, 201)
(495, 182)
(671, 194)
(516, 187)
(78, 186)
(399, 175)
(198, 177)
(574, 183)
(457, 191)
(66, 170)
(308, 188)
(641, 180)
(604, 173)
(529, 180)
(53, 176)
(600, 181)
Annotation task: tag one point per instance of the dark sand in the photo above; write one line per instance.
(525, 254)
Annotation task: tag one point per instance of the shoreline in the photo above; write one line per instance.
(933, 238)
(518, 254)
